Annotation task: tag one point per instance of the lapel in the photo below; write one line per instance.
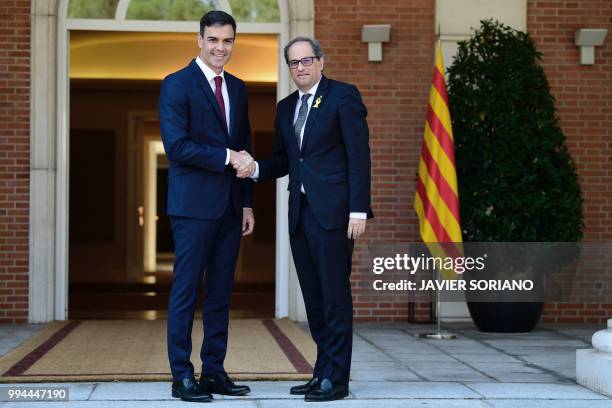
(291, 106)
(314, 112)
(205, 87)
(232, 90)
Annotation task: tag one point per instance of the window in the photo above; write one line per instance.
(92, 9)
(248, 11)
(256, 11)
(172, 10)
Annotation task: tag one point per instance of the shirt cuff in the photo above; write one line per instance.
(358, 215)
(255, 175)
(227, 157)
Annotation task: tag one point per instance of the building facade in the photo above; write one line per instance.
(34, 134)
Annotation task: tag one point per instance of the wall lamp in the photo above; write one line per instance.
(375, 35)
(587, 39)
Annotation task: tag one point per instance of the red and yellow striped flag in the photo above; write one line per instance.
(437, 199)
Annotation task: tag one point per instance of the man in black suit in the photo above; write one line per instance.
(322, 143)
(204, 122)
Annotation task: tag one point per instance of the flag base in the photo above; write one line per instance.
(437, 336)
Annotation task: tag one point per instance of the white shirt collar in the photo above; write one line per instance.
(312, 91)
(209, 73)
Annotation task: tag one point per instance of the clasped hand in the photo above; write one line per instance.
(243, 163)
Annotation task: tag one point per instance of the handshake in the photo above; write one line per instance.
(243, 163)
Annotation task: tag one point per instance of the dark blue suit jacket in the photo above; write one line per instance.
(195, 140)
(334, 161)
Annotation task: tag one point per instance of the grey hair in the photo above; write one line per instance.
(316, 47)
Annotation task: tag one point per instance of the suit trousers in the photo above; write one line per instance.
(203, 249)
(323, 262)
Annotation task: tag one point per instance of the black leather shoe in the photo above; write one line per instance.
(304, 388)
(220, 383)
(327, 391)
(188, 389)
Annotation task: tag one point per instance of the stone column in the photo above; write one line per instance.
(300, 22)
(594, 366)
(42, 161)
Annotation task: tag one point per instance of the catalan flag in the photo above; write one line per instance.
(437, 199)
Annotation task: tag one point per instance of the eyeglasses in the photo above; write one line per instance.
(306, 61)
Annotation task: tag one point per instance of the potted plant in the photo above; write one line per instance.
(517, 181)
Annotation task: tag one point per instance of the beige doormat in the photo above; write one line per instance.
(135, 350)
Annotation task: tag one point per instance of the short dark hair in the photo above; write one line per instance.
(216, 17)
(316, 47)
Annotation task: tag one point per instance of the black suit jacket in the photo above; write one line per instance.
(195, 140)
(333, 163)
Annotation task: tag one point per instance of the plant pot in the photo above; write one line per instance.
(508, 311)
(505, 317)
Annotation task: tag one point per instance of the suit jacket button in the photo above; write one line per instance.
(301, 159)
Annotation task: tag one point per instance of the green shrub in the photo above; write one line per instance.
(517, 181)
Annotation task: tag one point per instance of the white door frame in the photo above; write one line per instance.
(152, 149)
(49, 143)
(137, 157)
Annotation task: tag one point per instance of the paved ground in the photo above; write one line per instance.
(393, 368)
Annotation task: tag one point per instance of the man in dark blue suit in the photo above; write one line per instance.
(204, 122)
(322, 143)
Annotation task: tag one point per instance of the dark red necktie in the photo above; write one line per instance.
(219, 97)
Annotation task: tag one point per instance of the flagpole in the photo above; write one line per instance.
(437, 335)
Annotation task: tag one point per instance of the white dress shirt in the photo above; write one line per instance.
(312, 91)
(210, 77)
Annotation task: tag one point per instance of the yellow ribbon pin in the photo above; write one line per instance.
(317, 102)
